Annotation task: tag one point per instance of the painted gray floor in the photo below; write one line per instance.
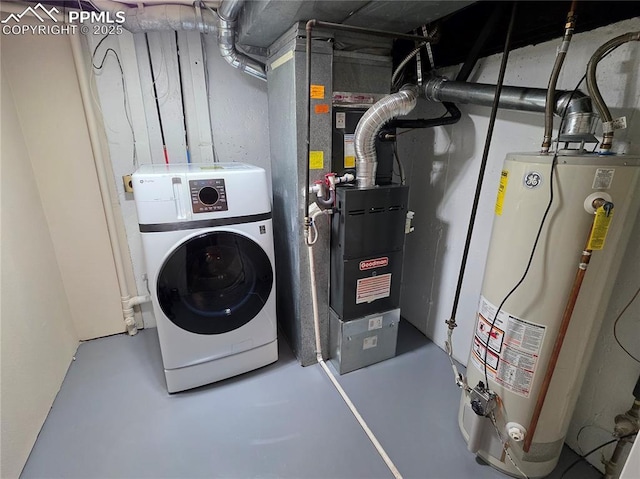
(114, 419)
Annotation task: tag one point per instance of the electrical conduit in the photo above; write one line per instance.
(316, 326)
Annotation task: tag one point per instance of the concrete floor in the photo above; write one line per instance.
(114, 419)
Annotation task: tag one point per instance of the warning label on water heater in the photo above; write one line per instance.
(513, 348)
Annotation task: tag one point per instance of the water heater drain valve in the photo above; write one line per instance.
(516, 431)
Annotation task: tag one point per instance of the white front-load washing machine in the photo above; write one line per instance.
(208, 243)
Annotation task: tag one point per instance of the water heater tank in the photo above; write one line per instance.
(526, 327)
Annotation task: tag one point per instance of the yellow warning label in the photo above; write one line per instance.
(502, 189)
(600, 228)
(317, 92)
(349, 161)
(316, 160)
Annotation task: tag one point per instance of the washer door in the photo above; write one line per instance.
(214, 283)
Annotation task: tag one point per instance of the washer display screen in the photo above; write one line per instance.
(208, 196)
(214, 283)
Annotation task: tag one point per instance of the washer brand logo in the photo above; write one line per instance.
(374, 263)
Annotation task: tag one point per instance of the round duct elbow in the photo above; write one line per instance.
(396, 104)
(228, 51)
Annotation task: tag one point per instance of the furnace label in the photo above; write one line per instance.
(372, 288)
(514, 348)
(316, 160)
(317, 92)
(370, 342)
(349, 151)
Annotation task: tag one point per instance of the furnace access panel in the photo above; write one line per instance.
(367, 241)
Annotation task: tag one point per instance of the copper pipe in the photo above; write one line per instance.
(564, 325)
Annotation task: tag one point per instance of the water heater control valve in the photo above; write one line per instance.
(483, 401)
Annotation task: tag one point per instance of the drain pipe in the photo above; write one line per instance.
(315, 212)
(127, 301)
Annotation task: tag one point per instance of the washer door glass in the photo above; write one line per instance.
(215, 283)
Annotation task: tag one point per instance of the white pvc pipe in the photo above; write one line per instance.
(316, 326)
(101, 171)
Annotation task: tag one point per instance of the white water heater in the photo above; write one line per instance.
(526, 328)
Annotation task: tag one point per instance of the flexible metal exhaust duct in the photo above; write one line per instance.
(396, 104)
(182, 17)
(227, 17)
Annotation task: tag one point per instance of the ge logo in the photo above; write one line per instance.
(532, 179)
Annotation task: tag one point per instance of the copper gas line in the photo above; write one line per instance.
(564, 326)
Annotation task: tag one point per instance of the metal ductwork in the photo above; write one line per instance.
(579, 121)
(182, 17)
(227, 22)
(149, 18)
(396, 104)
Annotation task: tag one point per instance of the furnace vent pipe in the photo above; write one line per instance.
(511, 97)
(396, 104)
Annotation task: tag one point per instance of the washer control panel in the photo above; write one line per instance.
(208, 195)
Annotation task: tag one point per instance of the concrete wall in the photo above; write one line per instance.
(38, 338)
(442, 166)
